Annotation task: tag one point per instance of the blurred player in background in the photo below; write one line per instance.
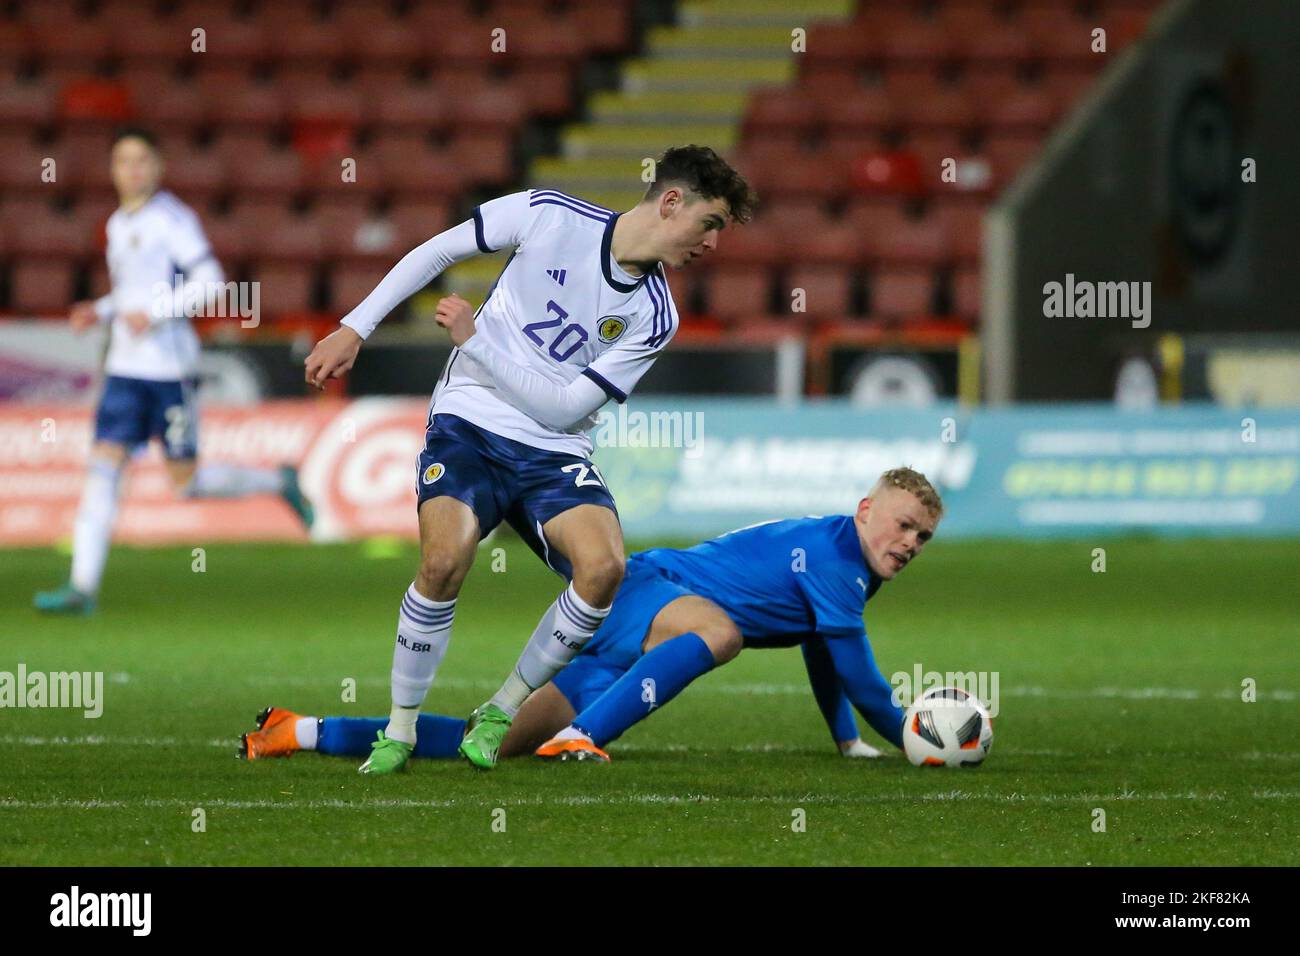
(151, 365)
(678, 614)
(578, 314)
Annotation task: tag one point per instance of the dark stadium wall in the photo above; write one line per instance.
(1144, 183)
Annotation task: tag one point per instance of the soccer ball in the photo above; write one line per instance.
(947, 727)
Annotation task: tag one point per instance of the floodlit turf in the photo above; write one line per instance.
(1119, 691)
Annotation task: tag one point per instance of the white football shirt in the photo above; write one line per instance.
(147, 247)
(561, 307)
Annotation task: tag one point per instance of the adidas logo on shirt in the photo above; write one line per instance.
(557, 274)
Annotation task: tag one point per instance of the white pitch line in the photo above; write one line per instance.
(795, 689)
(641, 799)
(232, 743)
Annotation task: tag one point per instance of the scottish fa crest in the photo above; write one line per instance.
(434, 472)
(610, 328)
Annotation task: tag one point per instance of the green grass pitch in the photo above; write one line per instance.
(1118, 690)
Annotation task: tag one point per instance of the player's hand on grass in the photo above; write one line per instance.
(456, 316)
(137, 322)
(856, 748)
(82, 316)
(332, 356)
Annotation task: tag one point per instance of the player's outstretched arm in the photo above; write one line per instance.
(829, 692)
(865, 686)
(412, 273)
(335, 354)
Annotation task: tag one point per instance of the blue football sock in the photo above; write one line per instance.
(652, 682)
(435, 736)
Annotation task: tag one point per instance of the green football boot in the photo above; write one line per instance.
(64, 600)
(293, 496)
(386, 756)
(483, 735)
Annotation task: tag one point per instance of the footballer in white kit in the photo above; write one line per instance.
(151, 366)
(577, 316)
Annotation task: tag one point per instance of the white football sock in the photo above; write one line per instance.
(561, 633)
(234, 481)
(93, 529)
(306, 730)
(423, 633)
(572, 733)
(401, 723)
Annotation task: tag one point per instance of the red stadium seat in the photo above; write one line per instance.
(849, 44)
(546, 90)
(966, 293)
(418, 221)
(163, 102)
(796, 175)
(735, 291)
(146, 38)
(229, 40)
(483, 158)
(779, 110)
(410, 106)
(42, 286)
(1068, 86)
(835, 244)
(350, 283)
(982, 34)
(195, 173)
(604, 25)
(44, 232)
(425, 173)
(26, 104)
(235, 100)
(272, 232)
(859, 110)
(917, 41)
(902, 294)
(795, 216)
(284, 287)
(348, 232)
(944, 109)
(78, 42)
(963, 221)
(887, 172)
(381, 40)
(1058, 34)
(827, 289)
(497, 108)
(226, 233)
(761, 243)
(543, 37)
(896, 237)
(1011, 152)
(276, 173)
(308, 42)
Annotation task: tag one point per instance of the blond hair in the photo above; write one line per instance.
(914, 483)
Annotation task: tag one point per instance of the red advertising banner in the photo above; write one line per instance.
(356, 460)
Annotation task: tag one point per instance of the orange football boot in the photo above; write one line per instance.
(275, 736)
(574, 748)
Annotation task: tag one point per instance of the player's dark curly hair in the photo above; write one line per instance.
(146, 136)
(706, 174)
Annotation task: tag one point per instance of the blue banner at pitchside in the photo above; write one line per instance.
(698, 468)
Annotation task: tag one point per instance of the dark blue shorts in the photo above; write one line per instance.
(505, 480)
(616, 645)
(134, 410)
